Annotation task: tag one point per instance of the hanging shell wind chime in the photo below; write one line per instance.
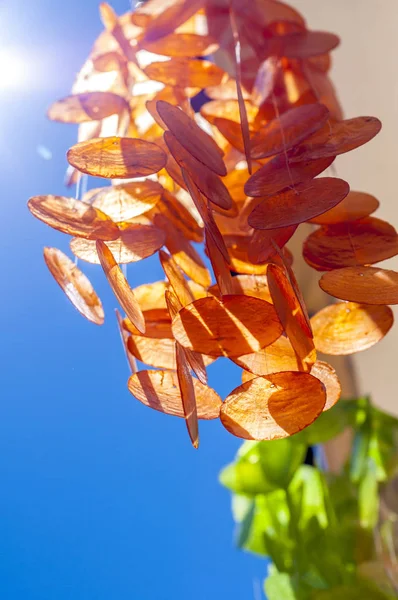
(239, 177)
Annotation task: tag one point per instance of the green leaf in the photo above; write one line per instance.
(327, 426)
(359, 410)
(383, 444)
(246, 449)
(272, 525)
(263, 466)
(264, 526)
(368, 497)
(360, 452)
(240, 506)
(376, 438)
(280, 460)
(245, 478)
(269, 534)
(278, 586)
(355, 544)
(313, 524)
(378, 454)
(307, 493)
(245, 526)
(322, 555)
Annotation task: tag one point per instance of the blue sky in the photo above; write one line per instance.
(101, 498)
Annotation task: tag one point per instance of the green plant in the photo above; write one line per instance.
(322, 531)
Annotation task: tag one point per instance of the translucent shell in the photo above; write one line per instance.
(231, 327)
(115, 157)
(73, 217)
(195, 141)
(120, 286)
(206, 180)
(291, 128)
(75, 284)
(125, 201)
(160, 390)
(135, 243)
(351, 244)
(369, 285)
(185, 73)
(92, 106)
(300, 204)
(347, 327)
(278, 175)
(355, 206)
(274, 406)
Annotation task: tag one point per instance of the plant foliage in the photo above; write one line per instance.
(319, 528)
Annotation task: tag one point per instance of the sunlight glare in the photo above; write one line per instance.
(12, 69)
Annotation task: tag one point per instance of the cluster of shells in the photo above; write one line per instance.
(238, 177)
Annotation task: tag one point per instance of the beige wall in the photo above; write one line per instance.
(365, 73)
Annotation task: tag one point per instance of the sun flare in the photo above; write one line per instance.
(12, 70)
